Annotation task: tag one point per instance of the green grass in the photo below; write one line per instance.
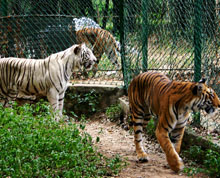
(32, 144)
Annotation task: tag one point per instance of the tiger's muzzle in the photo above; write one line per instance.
(88, 65)
(210, 109)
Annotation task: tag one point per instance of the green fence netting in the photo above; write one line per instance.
(178, 37)
(36, 29)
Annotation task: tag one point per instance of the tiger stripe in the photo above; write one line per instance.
(102, 41)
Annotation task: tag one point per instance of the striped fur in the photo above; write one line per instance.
(102, 41)
(152, 93)
(43, 77)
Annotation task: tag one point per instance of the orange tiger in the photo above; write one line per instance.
(102, 41)
(152, 93)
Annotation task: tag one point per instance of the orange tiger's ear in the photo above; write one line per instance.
(197, 89)
(203, 80)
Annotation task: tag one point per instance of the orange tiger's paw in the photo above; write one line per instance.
(176, 165)
(143, 158)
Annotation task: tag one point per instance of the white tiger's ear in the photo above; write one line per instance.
(92, 47)
(83, 45)
(77, 49)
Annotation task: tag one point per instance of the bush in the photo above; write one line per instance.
(113, 112)
(32, 144)
(212, 163)
(83, 103)
(209, 159)
(150, 128)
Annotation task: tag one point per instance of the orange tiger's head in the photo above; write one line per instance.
(208, 99)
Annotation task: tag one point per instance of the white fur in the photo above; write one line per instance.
(43, 77)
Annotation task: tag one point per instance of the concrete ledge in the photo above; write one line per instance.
(102, 96)
(95, 86)
(124, 103)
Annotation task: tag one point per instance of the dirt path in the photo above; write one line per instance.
(115, 140)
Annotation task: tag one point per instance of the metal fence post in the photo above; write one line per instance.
(145, 35)
(197, 40)
(197, 48)
(122, 41)
(4, 7)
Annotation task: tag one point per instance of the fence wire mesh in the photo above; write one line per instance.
(36, 29)
(178, 37)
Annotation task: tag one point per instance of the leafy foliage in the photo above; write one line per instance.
(208, 158)
(151, 127)
(32, 144)
(212, 163)
(113, 112)
(87, 102)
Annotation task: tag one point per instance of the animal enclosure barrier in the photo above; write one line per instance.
(178, 37)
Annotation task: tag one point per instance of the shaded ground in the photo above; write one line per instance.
(115, 140)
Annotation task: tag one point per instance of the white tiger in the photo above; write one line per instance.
(43, 77)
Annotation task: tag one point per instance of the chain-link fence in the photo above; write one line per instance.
(181, 38)
(178, 37)
(36, 29)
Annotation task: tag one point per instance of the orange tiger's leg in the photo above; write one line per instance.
(177, 136)
(138, 130)
(172, 156)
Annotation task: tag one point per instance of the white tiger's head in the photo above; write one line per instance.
(85, 57)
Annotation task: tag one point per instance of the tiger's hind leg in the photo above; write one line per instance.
(146, 119)
(138, 122)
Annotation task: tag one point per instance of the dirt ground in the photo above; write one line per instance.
(116, 141)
